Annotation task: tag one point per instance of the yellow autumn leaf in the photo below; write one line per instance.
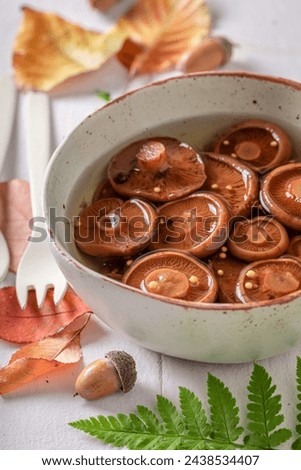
(161, 32)
(48, 49)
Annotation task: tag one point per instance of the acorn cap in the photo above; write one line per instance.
(125, 367)
(260, 144)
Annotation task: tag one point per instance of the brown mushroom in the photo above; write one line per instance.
(262, 145)
(226, 269)
(112, 267)
(233, 180)
(104, 190)
(268, 279)
(173, 274)
(197, 224)
(258, 238)
(159, 169)
(112, 227)
(294, 248)
(280, 194)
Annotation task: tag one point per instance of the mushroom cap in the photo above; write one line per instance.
(197, 224)
(258, 238)
(173, 274)
(125, 367)
(262, 145)
(268, 279)
(233, 180)
(112, 227)
(280, 194)
(103, 191)
(294, 248)
(226, 269)
(160, 169)
(113, 267)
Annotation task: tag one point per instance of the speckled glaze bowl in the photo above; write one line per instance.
(194, 109)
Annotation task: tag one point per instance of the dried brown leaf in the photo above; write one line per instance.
(42, 357)
(15, 213)
(161, 32)
(48, 49)
(33, 324)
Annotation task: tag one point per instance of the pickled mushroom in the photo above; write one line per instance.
(197, 224)
(294, 248)
(270, 279)
(160, 169)
(280, 194)
(261, 144)
(112, 227)
(233, 180)
(227, 269)
(258, 238)
(174, 275)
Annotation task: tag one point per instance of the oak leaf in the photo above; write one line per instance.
(42, 357)
(15, 213)
(161, 32)
(33, 324)
(48, 49)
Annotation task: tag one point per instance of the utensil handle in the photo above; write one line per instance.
(37, 132)
(8, 94)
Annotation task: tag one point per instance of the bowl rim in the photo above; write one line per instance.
(225, 307)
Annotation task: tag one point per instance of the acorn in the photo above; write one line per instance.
(211, 54)
(105, 376)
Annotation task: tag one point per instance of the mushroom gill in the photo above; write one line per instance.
(281, 194)
(262, 145)
(294, 248)
(112, 227)
(268, 279)
(233, 180)
(197, 224)
(160, 169)
(227, 269)
(174, 275)
(258, 238)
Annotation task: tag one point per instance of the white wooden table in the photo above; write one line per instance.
(36, 416)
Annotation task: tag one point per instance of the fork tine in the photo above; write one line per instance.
(41, 292)
(22, 293)
(59, 291)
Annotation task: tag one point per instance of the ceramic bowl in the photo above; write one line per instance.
(194, 109)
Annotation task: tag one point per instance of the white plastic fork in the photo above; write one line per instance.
(37, 269)
(7, 111)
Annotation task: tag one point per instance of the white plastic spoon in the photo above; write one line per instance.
(7, 111)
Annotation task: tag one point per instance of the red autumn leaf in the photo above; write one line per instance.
(42, 357)
(15, 213)
(33, 324)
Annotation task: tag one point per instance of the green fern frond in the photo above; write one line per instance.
(224, 412)
(264, 412)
